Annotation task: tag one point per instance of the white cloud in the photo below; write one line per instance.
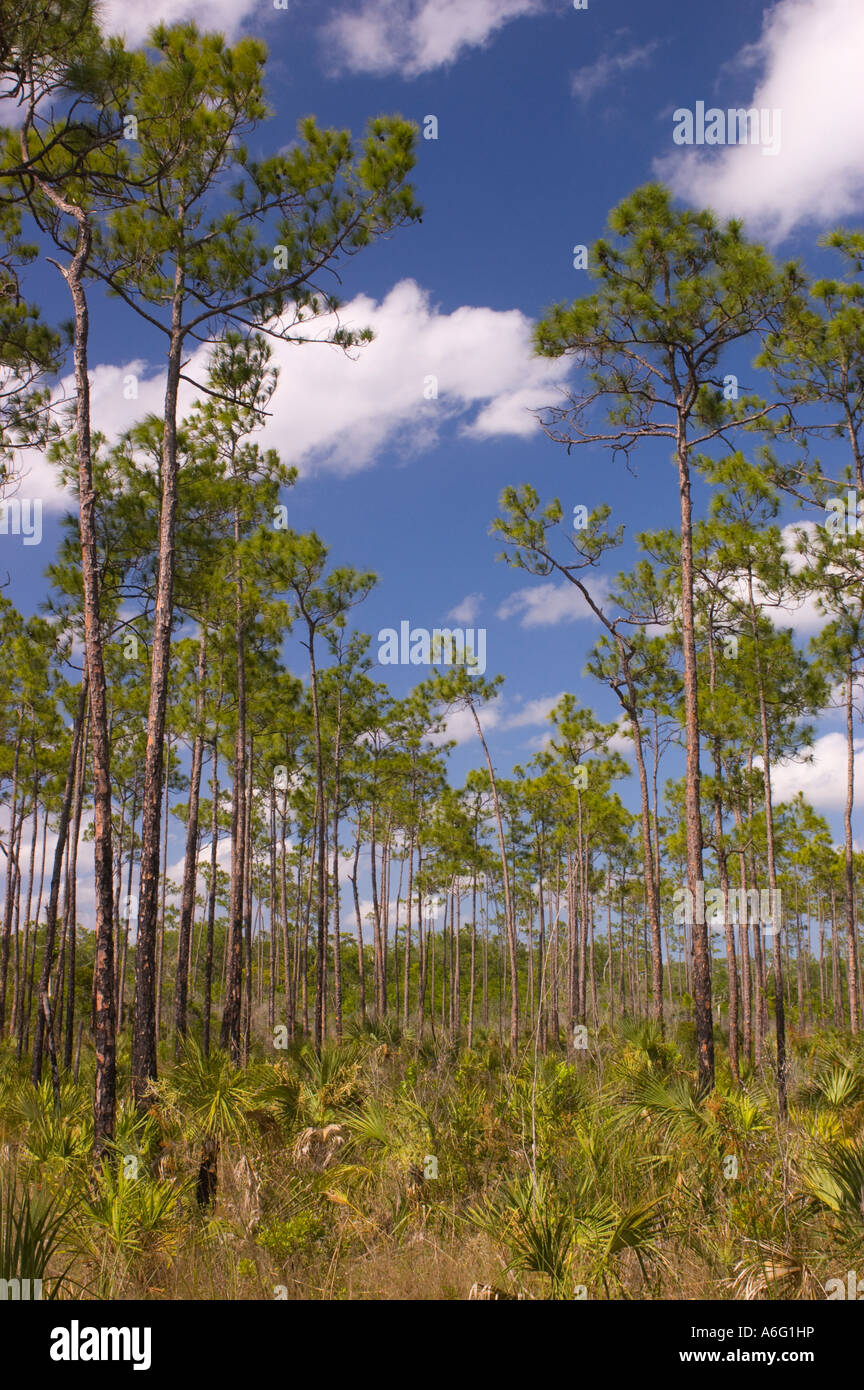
(543, 605)
(111, 413)
(804, 619)
(512, 412)
(339, 413)
(532, 712)
(622, 740)
(459, 726)
(467, 610)
(810, 60)
(415, 36)
(134, 22)
(587, 81)
(801, 614)
(823, 780)
(331, 411)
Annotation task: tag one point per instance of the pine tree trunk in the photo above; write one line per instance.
(10, 885)
(247, 910)
(211, 899)
(232, 1013)
(776, 922)
(56, 875)
(508, 906)
(190, 860)
(692, 786)
(361, 964)
(849, 862)
(406, 964)
(144, 1068)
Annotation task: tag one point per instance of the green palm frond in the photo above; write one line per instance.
(673, 1104)
(133, 1212)
(534, 1224)
(836, 1181)
(372, 1124)
(839, 1086)
(211, 1097)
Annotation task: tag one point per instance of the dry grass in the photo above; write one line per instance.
(400, 1172)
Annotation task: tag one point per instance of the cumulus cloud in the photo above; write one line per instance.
(460, 727)
(622, 739)
(134, 22)
(532, 712)
(113, 409)
(804, 616)
(338, 413)
(822, 780)
(801, 612)
(467, 610)
(415, 36)
(588, 81)
(544, 605)
(809, 57)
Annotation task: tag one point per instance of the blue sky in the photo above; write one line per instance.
(547, 116)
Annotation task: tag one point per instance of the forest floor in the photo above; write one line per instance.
(392, 1169)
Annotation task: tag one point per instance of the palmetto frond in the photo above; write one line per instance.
(212, 1096)
(836, 1181)
(673, 1105)
(772, 1272)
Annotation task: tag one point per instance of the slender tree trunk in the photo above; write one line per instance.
(11, 866)
(127, 916)
(144, 1067)
(836, 977)
(56, 875)
(361, 964)
(105, 1020)
(473, 980)
(72, 910)
(190, 861)
(160, 967)
(648, 861)
(22, 956)
(30, 952)
(211, 899)
(508, 906)
(247, 909)
(849, 863)
(692, 785)
(776, 920)
(232, 1013)
(821, 928)
(406, 965)
(337, 897)
(321, 948)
